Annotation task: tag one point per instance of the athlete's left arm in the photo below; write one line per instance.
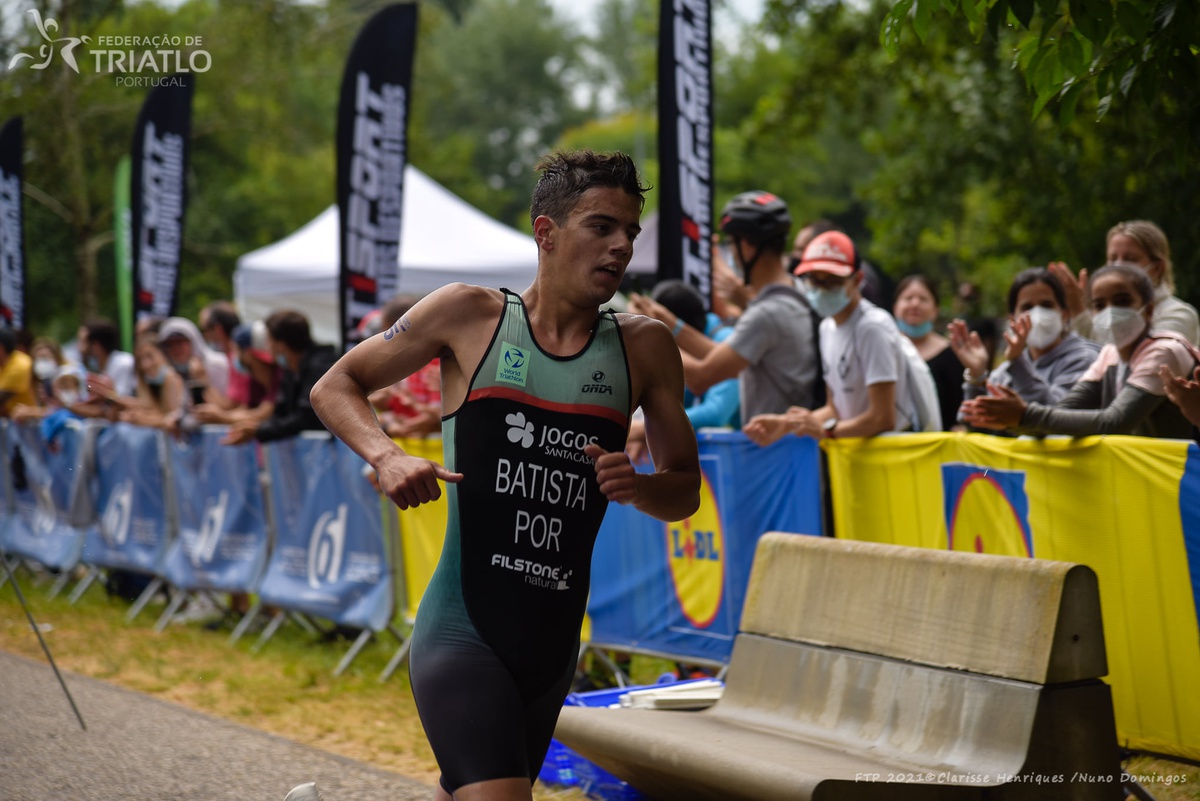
(672, 491)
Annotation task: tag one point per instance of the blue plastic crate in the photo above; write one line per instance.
(566, 768)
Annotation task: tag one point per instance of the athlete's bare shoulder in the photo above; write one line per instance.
(640, 326)
(457, 299)
(651, 351)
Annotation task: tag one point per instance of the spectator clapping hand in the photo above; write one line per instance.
(969, 349)
(1074, 288)
(1015, 336)
(1183, 392)
(1001, 409)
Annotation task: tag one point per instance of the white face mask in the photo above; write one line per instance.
(68, 397)
(1046, 326)
(44, 369)
(1118, 325)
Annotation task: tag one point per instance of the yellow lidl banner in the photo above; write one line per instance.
(422, 530)
(1128, 507)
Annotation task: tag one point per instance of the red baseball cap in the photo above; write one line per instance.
(830, 252)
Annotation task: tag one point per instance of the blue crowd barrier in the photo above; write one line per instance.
(677, 589)
(222, 541)
(130, 494)
(330, 557)
(40, 481)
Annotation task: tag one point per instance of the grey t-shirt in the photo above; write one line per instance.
(775, 335)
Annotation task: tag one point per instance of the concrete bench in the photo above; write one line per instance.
(867, 671)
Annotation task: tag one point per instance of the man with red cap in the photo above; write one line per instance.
(861, 356)
(772, 351)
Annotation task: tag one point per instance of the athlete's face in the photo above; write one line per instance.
(593, 248)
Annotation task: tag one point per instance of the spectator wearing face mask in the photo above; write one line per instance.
(252, 396)
(303, 362)
(1142, 244)
(204, 371)
(47, 358)
(160, 389)
(1123, 391)
(915, 308)
(863, 358)
(1044, 358)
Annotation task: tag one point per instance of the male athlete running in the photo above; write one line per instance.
(537, 391)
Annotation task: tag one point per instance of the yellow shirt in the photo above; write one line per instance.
(16, 379)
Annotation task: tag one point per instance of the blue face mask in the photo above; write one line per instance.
(914, 331)
(281, 360)
(827, 302)
(158, 378)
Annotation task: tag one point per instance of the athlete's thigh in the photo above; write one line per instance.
(472, 712)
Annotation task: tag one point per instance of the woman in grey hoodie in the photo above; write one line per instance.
(1044, 357)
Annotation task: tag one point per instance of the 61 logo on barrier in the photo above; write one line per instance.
(696, 554)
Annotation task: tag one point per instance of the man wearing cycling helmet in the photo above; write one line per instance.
(773, 348)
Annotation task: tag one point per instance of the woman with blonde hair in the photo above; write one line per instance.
(1142, 244)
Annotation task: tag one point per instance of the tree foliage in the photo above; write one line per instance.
(492, 92)
(931, 155)
(937, 155)
(1142, 54)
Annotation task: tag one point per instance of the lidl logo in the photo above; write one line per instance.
(514, 364)
(987, 510)
(696, 553)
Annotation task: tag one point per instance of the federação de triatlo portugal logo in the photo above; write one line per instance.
(696, 553)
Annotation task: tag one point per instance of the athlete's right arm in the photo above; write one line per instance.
(431, 328)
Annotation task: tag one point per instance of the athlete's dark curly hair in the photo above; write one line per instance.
(565, 176)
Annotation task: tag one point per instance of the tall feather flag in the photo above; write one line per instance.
(685, 143)
(12, 224)
(372, 148)
(158, 195)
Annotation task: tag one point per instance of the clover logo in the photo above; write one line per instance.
(520, 431)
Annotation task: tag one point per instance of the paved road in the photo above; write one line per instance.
(140, 748)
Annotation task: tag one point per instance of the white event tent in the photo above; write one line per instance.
(443, 239)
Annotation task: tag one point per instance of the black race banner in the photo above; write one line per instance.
(12, 224)
(372, 146)
(685, 145)
(158, 195)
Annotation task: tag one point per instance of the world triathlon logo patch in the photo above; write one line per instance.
(987, 510)
(514, 364)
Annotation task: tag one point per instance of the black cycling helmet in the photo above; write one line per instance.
(756, 216)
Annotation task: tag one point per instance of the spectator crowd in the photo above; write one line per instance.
(801, 337)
